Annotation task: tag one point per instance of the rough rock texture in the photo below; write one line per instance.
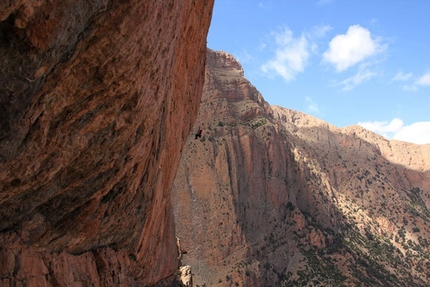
(274, 197)
(96, 101)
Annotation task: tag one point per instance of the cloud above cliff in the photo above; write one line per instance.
(339, 60)
(347, 50)
(418, 133)
(355, 48)
(424, 80)
(402, 77)
(291, 55)
(411, 84)
(360, 77)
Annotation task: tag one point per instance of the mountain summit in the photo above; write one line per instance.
(269, 196)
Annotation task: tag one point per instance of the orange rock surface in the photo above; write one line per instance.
(273, 197)
(97, 99)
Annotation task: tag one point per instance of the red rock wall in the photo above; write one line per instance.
(230, 188)
(97, 99)
(273, 197)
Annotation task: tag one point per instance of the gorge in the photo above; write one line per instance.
(103, 182)
(273, 197)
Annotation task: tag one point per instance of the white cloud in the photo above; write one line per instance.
(261, 47)
(348, 49)
(383, 128)
(291, 55)
(412, 86)
(360, 77)
(418, 133)
(402, 77)
(424, 80)
(316, 33)
(320, 31)
(244, 57)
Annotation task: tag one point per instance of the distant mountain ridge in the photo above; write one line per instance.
(274, 197)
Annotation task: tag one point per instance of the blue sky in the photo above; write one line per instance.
(346, 62)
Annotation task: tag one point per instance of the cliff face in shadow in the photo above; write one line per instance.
(274, 197)
(96, 101)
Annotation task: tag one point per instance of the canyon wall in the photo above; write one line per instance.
(273, 197)
(96, 101)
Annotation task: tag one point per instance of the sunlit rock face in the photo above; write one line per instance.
(273, 197)
(96, 101)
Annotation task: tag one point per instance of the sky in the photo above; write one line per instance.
(347, 62)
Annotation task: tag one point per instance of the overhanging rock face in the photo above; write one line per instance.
(96, 101)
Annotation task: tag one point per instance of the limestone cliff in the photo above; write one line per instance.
(96, 100)
(274, 197)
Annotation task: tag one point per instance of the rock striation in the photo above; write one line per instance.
(273, 197)
(96, 101)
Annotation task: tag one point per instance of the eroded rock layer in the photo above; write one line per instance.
(96, 101)
(274, 197)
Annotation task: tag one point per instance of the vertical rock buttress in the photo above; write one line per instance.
(96, 101)
(269, 196)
